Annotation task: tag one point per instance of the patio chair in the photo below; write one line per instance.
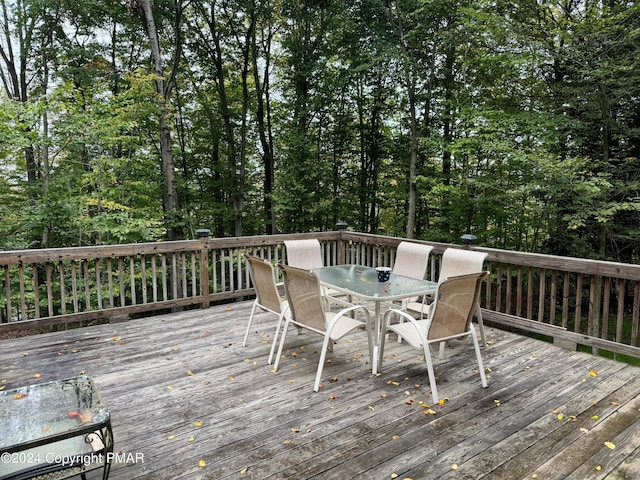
(307, 254)
(412, 259)
(308, 311)
(455, 261)
(267, 297)
(450, 318)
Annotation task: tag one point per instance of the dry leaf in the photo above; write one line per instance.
(560, 416)
(171, 437)
(232, 378)
(197, 424)
(594, 417)
(115, 339)
(46, 429)
(295, 430)
(395, 437)
(454, 466)
(609, 445)
(598, 468)
(18, 396)
(37, 375)
(202, 463)
(189, 373)
(286, 442)
(593, 373)
(243, 471)
(169, 387)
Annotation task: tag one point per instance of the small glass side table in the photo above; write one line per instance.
(59, 429)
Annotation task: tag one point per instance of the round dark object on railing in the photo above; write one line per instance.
(468, 239)
(340, 225)
(203, 232)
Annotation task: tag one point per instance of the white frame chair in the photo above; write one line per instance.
(308, 310)
(456, 261)
(268, 297)
(450, 318)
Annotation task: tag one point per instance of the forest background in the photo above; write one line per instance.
(135, 121)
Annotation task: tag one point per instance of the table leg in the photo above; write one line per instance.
(376, 359)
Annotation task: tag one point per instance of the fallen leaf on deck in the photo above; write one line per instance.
(197, 424)
(390, 382)
(232, 378)
(244, 470)
(18, 396)
(286, 442)
(115, 339)
(593, 373)
(171, 437)
(371, 408)
(46, 429)
(609, 445)
(394, 475)
(595, 417)
(441, 402)
(584, 430)
(454, 466)
(37, 375)
(229, 308)
(202, 463)
(169, 387)
(560, 416)
(333, 396)
(192, 439)
(295, 430)
(395, 437)
(598, 468)
(189, 373)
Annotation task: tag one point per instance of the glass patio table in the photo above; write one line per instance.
(362, 282)
(56, 429)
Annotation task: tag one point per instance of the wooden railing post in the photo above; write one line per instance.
(203, 235)
(341, 227)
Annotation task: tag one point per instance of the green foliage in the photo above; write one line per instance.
(525, 115)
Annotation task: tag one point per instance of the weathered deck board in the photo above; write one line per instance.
(161, 375)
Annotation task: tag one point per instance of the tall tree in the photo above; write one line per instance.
(164, 84)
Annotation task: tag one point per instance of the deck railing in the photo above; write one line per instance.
(573, 300)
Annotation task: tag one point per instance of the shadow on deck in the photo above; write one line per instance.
(186, 397)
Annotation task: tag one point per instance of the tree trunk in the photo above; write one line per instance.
(171, 206)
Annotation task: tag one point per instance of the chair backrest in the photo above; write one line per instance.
(303, 293)
(412, 259)
(456, 261)
(454, 304)
(264, 281)
(305, 253)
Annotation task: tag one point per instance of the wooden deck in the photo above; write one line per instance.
(181, 389)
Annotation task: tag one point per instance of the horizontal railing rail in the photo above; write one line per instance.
(588, 302)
